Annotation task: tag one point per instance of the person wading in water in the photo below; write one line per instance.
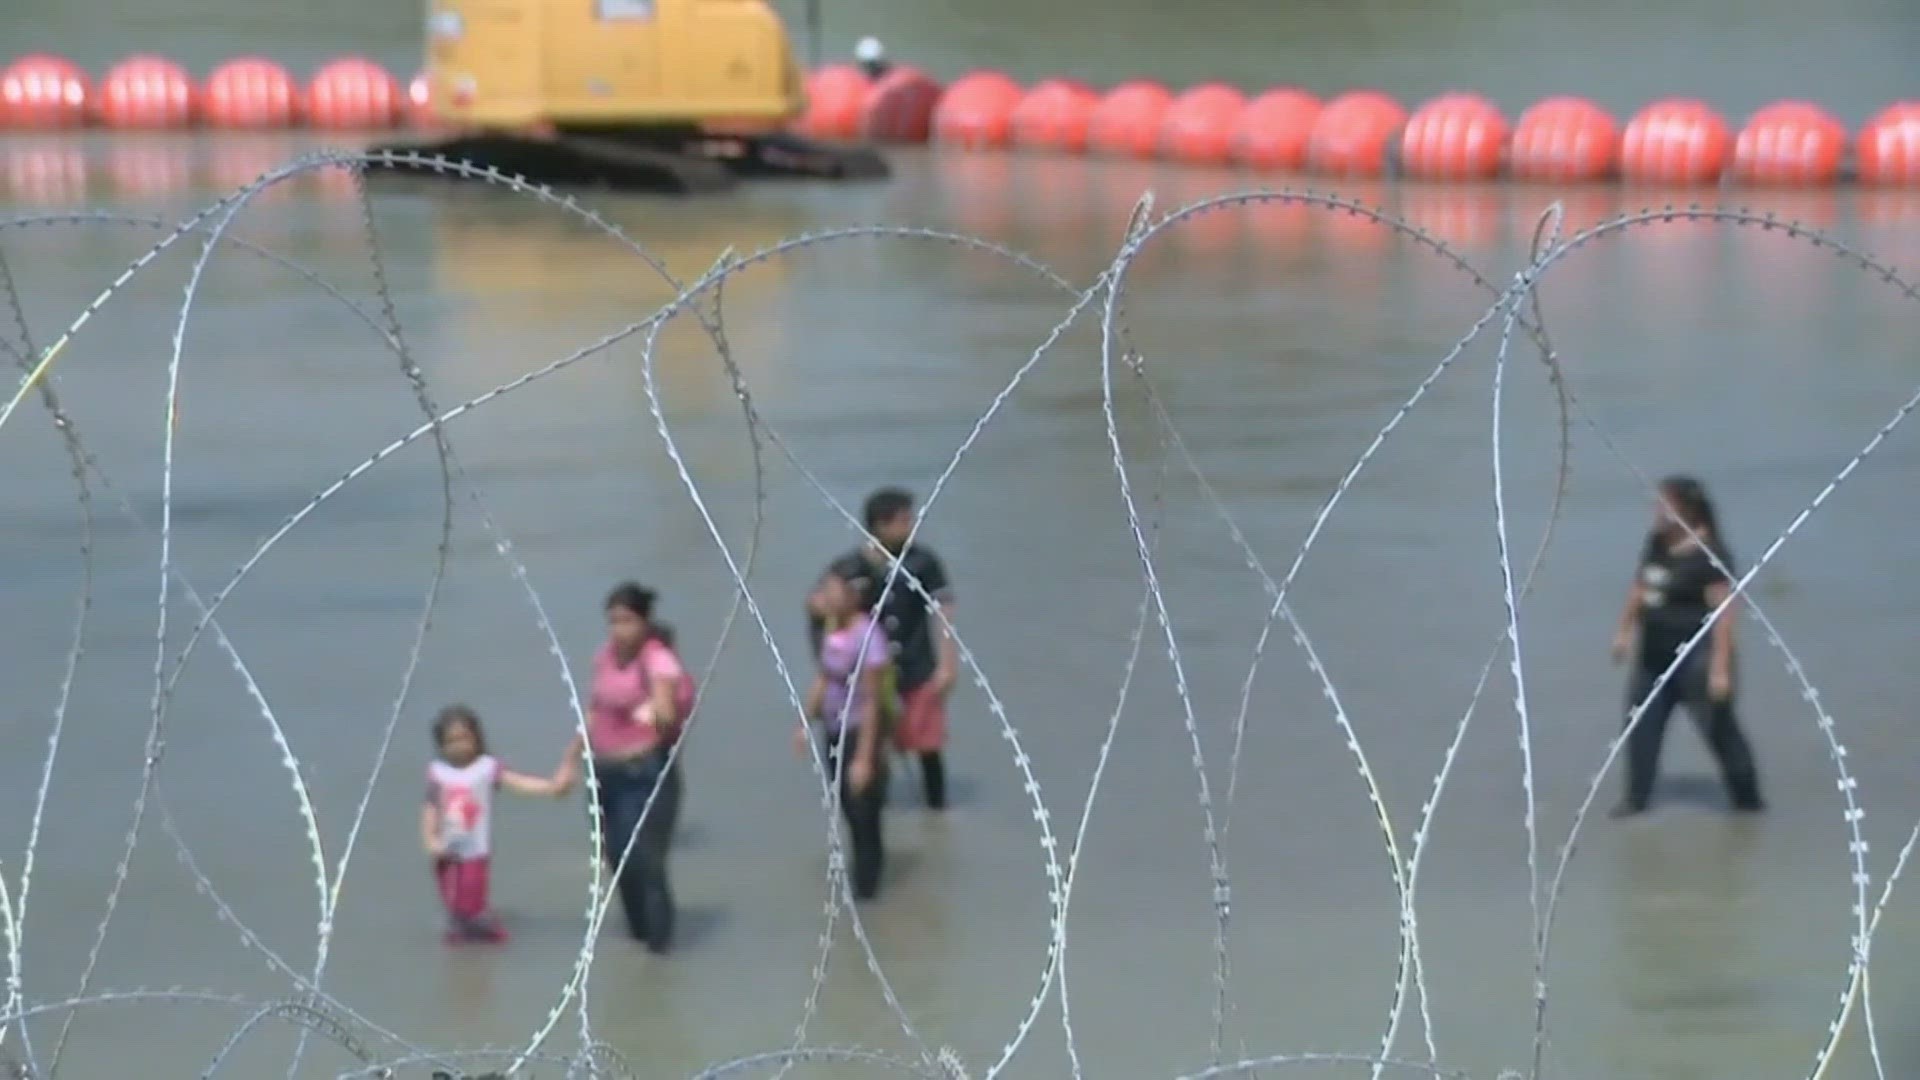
(925, 658)
(1674, 590)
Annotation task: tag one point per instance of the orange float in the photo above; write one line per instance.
(899, 108)
(147, 92)
(1353, 134)
(976, 112)
(1127, 120)
(353, 94)
(1889, 146)
(1677, 141)
(836, 102)
(1056, 114)
(1454, 137)
(1790, 142)
(41, 91)
(1564, 139)
(250, 93)
(1198, 128)
(1272, 132)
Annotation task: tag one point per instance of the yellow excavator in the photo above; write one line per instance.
(677, 96)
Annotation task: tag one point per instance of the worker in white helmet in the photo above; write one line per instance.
(872, 57)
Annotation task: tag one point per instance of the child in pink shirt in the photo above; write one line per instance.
(456, 825)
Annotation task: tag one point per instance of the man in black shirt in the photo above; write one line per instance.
(925, 659)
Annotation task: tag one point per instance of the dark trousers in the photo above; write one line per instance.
(933, 774)
(644, 894)
(1718, 724)
(863, 813)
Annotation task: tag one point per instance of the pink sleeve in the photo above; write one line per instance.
(662, 663)
(433, 789)
(499, 771)
(879, 653)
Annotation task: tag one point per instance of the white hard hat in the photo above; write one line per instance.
(868, 50)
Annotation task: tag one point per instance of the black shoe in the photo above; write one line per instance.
(1752, 804)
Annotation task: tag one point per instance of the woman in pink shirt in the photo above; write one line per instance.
(641, 696)
(847, 706)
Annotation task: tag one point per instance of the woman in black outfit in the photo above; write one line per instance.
(1674, 590)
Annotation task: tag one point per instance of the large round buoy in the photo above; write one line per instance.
(1888, 148)
(1564, 139)
(899, 108)
(1454, 137)
(1127, 121)
(1056, 115)
(1273, 130)
(977, 111)
(836, 102)
(1677, 141)
(1353, 134)
(353, 94)
(41, 91)
(1790, 142)
(145, 92)
(250, 93)
(1198, 127)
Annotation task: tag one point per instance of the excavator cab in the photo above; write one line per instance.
(508, 64)
(673, 95)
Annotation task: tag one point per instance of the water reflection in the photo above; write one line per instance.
(1686, 927)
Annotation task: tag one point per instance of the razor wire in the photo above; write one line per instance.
(1514, 308)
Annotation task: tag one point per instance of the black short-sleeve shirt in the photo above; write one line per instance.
(1673, 596)
(906, 618)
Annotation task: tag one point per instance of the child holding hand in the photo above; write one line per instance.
(456, 824)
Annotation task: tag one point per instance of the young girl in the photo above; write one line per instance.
(837, 699)
(456, 825)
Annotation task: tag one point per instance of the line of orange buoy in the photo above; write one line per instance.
(1368, 134)
(151, 93)
(1359, 134)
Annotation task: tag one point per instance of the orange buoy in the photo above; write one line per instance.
(976, 112)
(836, 101)
(1198, 127)
(1272, 132)
(250, 93)
(899, 108)
(1127, 120)
(1889, 146)
(146, 92)
(41, 91)
(1056, 114)
(1454, 137)
(1790, 142)
(1677, 141)
(1564, 139)
(1352, 135)
(353, 94)
(419, 110)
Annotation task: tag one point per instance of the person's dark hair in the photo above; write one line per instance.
(634, 597)
(639, 599)
(446, 719)
(1689, 497)
(885, 505)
